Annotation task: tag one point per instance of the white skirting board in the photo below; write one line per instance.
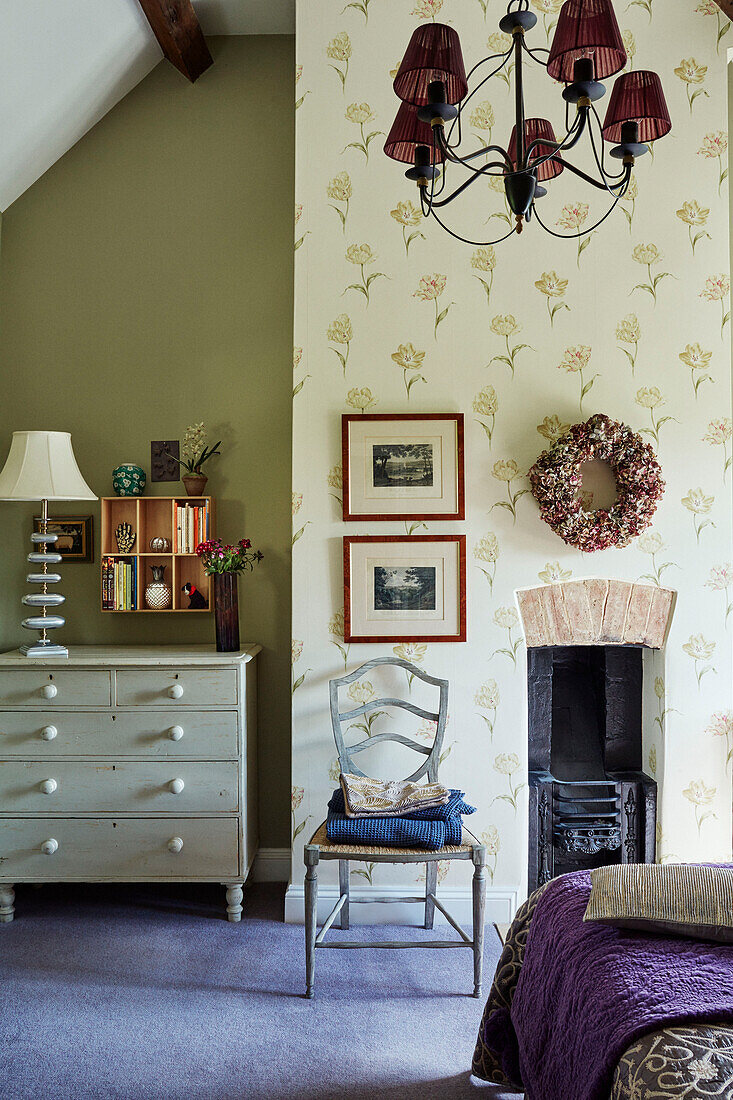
(271, 865)
(501, 904)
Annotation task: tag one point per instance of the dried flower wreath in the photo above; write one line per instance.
(556, 479)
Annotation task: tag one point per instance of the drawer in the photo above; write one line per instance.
(37, 687)
(92, 787)
(201, 735)
(173, 687)
(127, 850)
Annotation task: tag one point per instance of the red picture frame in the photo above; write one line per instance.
(361, 418)
(412, 540)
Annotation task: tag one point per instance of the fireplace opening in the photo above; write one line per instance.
(590, 801)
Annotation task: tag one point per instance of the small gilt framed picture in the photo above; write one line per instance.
(405, 589)
(75, 541)
(403, 466)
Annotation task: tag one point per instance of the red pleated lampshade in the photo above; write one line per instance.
(407, 132)
(586, 28)
(434, 53)
(535, 128)
(637, 97)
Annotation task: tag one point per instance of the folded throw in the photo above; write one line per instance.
(429, 829)
(365, 797)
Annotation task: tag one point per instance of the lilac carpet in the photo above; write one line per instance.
(142, 993)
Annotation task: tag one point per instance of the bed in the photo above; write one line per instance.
(583, 1011)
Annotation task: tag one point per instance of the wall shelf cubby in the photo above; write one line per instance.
(183, 521)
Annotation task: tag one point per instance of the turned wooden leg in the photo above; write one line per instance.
(235, 894)
(431, 885)
(479, 916)
(344, 889)
(7, 903)
(311, 915)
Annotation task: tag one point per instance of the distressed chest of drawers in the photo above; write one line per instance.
(128, 764)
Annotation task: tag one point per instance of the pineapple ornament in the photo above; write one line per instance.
(158, 594)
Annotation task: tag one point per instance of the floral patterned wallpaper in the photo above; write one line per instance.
(526, 339)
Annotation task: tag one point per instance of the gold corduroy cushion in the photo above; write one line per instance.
(683, 899)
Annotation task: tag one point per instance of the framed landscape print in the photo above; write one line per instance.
(75, 539)
(405, 589)
(403, 466)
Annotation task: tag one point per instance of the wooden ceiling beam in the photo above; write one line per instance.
(726, 6)
(176, 26)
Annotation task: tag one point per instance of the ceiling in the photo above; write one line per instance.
(63, 65)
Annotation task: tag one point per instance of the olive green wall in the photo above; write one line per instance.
(145, 283)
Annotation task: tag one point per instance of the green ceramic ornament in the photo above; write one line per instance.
(128, 480)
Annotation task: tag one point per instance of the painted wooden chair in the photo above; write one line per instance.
(319, 847)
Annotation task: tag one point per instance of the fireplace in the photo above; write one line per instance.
(590, 801)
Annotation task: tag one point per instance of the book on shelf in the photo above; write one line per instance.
(190, 526)
(119, 584)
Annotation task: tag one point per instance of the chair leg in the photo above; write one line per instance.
(344, 889)
(311, 911)
(431, 885)
(479, 916)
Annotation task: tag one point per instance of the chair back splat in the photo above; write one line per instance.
(429, 766)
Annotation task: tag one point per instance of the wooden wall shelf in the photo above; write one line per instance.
(151, 517)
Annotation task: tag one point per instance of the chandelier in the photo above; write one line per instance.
(587, 47)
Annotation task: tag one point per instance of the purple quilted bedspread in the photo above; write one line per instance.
(586, 991)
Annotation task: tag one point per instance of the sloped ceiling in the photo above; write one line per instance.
(63, 65)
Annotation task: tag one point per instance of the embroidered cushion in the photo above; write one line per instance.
(364, 797)
(680, 899)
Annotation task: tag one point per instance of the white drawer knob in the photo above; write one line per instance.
(176, 786)
(175, 844)
(49, 847)
(175, 733)
(49, 691)
(49, 786)
(48, 733)
(176, 691)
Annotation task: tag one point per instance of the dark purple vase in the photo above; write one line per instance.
(226, 612)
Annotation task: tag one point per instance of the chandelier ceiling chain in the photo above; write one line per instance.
(587, 47)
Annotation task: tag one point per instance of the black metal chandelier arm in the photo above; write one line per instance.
(571, 139)
(467, 183)
(583, 232)
(492, 57)
(450, 155)
(532, 52)
(427, 211)
(601, 163)
(602, 186)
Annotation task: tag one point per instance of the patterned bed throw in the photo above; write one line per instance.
(365, 797)
(586, 992)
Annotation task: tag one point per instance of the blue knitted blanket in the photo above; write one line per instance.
(429, 829)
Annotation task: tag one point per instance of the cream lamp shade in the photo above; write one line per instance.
(41, 466)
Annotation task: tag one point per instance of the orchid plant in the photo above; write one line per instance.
(195, 450)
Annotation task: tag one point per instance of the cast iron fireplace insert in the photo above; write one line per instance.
(590, 803)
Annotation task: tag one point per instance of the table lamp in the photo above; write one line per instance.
(41, 466)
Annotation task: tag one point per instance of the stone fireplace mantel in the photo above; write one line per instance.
(596, 611)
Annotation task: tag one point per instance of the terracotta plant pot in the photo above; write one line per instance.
(195, 484)
(226, 612)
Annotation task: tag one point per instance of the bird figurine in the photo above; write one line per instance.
(197, 601)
